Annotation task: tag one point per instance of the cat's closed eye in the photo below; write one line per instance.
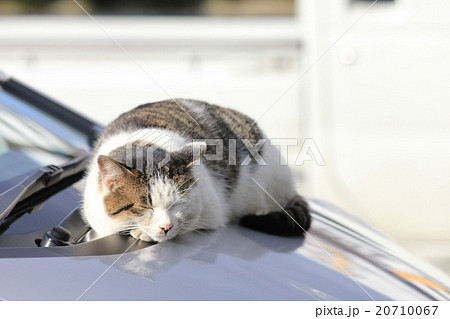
(137, 212)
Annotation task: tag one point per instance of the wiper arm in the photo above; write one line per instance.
(38, 187)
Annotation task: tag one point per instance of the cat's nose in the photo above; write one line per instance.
(166, 228)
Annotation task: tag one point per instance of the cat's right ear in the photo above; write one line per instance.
(189, 154)
(112, 172)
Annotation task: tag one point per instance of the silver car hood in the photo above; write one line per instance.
(339, 259)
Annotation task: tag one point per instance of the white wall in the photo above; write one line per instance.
(244, 64)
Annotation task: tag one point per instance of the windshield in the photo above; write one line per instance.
(28, 139)
(33, 135)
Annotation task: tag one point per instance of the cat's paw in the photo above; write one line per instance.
(136, 233)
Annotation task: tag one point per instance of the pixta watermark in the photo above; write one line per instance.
(157, 150)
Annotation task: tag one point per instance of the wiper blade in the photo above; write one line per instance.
(40, 186)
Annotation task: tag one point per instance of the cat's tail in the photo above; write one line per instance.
(293, 220)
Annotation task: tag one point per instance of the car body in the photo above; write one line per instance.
(340, 258)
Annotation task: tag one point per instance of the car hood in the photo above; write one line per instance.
(339, 259)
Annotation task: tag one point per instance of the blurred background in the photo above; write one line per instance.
(369, 83)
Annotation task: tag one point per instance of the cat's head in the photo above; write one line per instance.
(156, 198)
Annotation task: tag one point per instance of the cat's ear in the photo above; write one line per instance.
(112, 172)
(189, 154)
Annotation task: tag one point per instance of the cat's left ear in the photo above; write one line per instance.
(189, 154)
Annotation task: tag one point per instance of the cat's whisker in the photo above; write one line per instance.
(203, 222)
(127, 228)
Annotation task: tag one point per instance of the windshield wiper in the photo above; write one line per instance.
(37, 188)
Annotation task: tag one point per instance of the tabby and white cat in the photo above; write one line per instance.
(153, 175)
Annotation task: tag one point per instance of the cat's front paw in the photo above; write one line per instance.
(136, 233)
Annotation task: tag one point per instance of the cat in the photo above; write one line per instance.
(156, 175)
